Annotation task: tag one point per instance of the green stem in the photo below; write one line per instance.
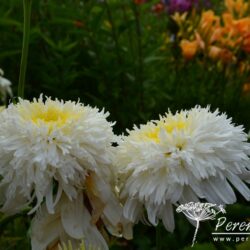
(117, 47)
(130, 35)
(25, 47)
(158, 237)
(140, 66)
(114, 33)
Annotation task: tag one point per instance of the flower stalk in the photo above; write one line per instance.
(140, 68)
(158, 231)
(25, 47)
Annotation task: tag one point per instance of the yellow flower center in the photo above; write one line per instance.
(51, 114)
(169, 124)
(154, 134)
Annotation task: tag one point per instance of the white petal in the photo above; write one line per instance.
(45, 228)
(239, 185)
(132, 209)
(73, 218)
(167, 216)
(152, 213)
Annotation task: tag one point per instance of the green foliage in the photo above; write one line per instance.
(206, 246)
(244, 246)
(14, 232)
(113, 54)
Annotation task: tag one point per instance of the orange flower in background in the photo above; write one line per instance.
(200, 41)
(219, 37)
(226, 56)
(216, 35)
(243, 25)
(78, 24)
(234, 31)
(237, 7)
(227, 19)
(209, 19)
(246, 88)
(222, 54)
(214, 52)
(189, 48)
(209, 29)
(158, 8)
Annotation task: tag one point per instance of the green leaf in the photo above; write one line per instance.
(9, 53)
(244, 246)
(10, 22)
(153, 59)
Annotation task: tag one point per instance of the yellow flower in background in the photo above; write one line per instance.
(179, 18)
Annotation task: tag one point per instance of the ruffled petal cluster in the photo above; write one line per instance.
(51, 143)
(56, 158)
(179, 158)
(71, 222)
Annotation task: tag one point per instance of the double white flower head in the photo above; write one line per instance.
(57, 158)
(180, 158)
(58, 152)
(43, 142)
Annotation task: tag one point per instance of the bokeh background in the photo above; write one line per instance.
(137, 59)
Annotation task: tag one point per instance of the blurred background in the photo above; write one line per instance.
(137, 59)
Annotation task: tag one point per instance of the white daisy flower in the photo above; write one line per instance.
(180, 158)
(71, 222)
(77, 220)
(49, 148)
(5, 87)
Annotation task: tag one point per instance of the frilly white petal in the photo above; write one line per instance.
(190, 155)
(51, 141)
(71, 221)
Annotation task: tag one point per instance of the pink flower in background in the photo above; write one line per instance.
(184, 5)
